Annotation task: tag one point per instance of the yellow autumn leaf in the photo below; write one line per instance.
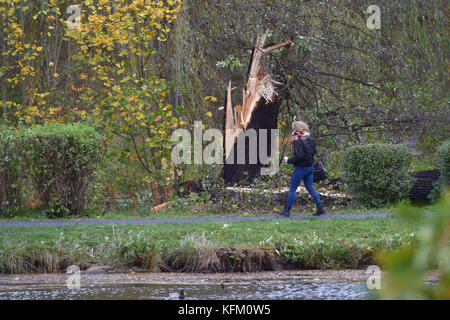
(140, 115)
(134, 157)
(212, 98)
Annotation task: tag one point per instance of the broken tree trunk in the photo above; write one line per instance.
(259, 110)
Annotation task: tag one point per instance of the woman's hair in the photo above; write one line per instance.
(300, 126)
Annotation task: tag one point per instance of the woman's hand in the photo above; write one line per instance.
(286, 159)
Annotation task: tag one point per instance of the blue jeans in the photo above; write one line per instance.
(305, 173)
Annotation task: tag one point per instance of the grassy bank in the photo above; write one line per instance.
(206, 246)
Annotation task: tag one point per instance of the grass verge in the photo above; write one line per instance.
(205, 246)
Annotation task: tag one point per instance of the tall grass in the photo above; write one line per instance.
(196, 253)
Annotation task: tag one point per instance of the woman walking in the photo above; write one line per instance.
(304, 150)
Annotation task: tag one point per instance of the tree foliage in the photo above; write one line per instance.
(352, 84)
(122, 90)
(132, 64)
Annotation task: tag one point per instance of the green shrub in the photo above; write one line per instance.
(10, 171)
(443, 163)
(61, 159)
(377, 174)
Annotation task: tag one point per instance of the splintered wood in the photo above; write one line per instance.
(259, 86)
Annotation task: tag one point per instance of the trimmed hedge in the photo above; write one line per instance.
(11, 176)
(443, 163)
(61, 159)
(377, 174)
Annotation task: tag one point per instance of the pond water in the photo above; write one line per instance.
(347, 284)
(283, 290)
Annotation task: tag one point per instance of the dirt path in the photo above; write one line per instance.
(186, 220)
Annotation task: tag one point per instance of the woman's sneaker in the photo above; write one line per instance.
(320, 211)
(285, 212)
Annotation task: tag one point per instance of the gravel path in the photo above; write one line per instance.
(185, 220)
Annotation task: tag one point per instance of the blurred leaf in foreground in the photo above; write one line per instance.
(407, 267)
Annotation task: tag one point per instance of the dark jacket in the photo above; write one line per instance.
(304, 151)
